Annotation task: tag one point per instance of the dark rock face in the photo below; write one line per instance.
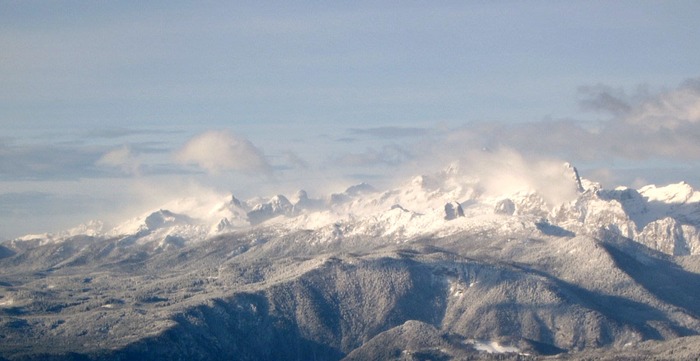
(453, 210)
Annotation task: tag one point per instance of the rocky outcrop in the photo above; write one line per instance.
(505, 206)
(453, 210)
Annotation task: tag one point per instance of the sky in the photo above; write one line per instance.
(111, 108)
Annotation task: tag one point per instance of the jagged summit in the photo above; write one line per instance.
(235, 202)
(576, 176)
(278, 205)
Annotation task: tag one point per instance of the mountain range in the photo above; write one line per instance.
(442, 267)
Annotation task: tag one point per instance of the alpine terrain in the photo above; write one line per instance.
(444, 267)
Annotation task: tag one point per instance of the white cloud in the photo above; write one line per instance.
(507, 171)
(122, 158)
(217, 151)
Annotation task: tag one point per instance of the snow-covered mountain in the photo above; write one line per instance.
(444, 266)
(663, 218)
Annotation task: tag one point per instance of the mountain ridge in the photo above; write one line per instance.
(665, 218)
(439, 268)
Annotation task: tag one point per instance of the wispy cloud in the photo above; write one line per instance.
(389, 132)
(121, 158)
(218, 151)
(388, 155)
(121, 132)
(603, 98)
(295, 161)
(675, 111)
(50, 161)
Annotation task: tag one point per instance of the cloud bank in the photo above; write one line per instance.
(218, 151)
(643, 126)
(638, 127)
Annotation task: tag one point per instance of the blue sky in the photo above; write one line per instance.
(108, 108)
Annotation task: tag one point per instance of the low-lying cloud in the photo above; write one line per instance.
(219, 151)
(506, 171)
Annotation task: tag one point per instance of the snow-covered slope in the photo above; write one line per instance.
(663, 218)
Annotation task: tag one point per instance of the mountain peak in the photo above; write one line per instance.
(276, 206)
